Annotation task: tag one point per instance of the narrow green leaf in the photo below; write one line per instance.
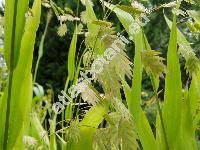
(3, 108)
(92, 28)
(71, 56)
(173, 94)
(53, 145)
(134, 104)
(187, 138)
(41, 46)
(14, 21)
(194, 95)
(21, 90)
(187, 52)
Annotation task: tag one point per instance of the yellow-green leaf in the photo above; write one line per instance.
(71, 56)
(173, 94)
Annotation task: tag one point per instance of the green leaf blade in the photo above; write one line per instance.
(173, 90)
(71, 56)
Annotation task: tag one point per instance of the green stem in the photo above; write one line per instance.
(161, 117)
(40, 52)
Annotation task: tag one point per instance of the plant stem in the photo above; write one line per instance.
(40, 51)
(161, 117)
